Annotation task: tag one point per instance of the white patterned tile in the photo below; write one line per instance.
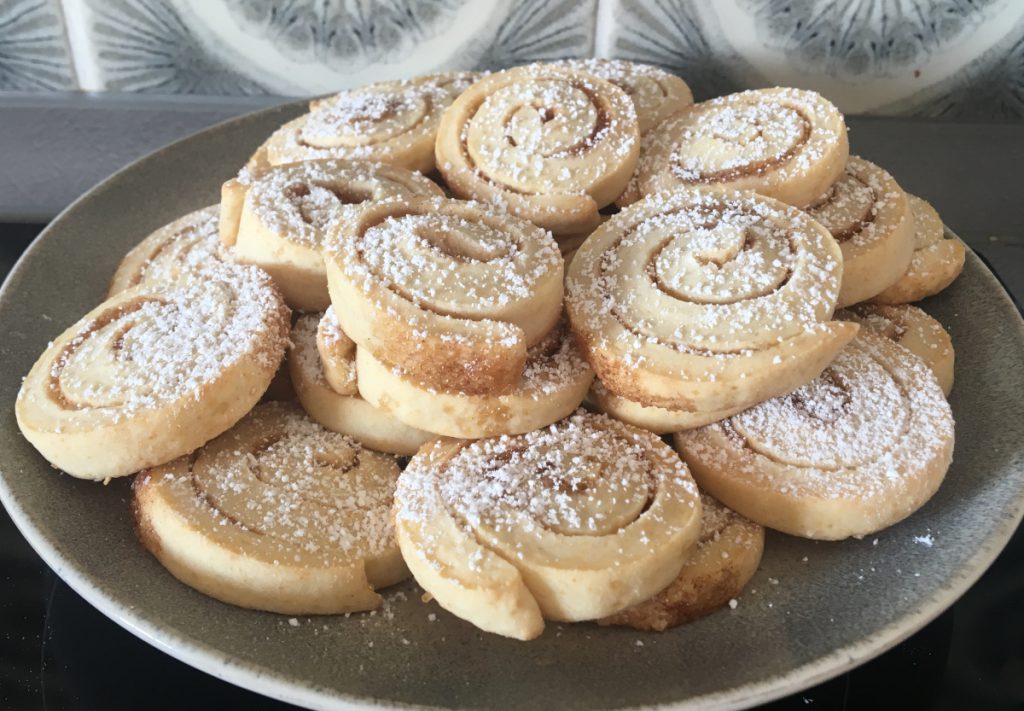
(937, 57)
(296, 47)
(33, 49)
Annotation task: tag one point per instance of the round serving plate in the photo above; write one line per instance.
(812, 611)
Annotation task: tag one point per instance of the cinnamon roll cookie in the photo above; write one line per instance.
(715, 571)
(868, 214)
(656, 94)
(659, 420)
(276, 514)
(334, 402)
(913, 329)
(392, 122)
(553, 384)
(575, 521)
(546, 143)
(705, 300)
(788, 144)
(154, 371)
(183, 246)
(858, 449)
(450, 293)
(288, 210)
(936, 261)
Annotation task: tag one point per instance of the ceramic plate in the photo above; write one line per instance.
(813, 610)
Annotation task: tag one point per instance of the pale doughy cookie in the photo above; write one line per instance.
(656, 94)
(707, 300)
(154, 371)
(451, 293)
(546, 143)
(788, 144)
(349, 413)
(337, 354)
(276, 514)
(860, 448)
(183, 246)
(913, 329)
(936, 262)
(287, 212)
(553, 385)
(715, 571)
(868, 214)
(575, 521)
(391, 122)
(659, 420)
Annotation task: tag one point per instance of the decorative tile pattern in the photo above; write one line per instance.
(311, 46)
(33, 49)
(923, 57)
(146, 45)
(672, 34)
(992, 86)
(872, 38)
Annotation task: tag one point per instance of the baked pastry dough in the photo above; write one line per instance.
(706, 300)
(656, 94)
(546, 143)
(659, 420)
(183, 246)
(860, 448)
(154, 372)
(288, 210)
(936, 261)
(337, 354)
(277, 514)
(715, 571)
(571, 522)
(346, 413)
(389, 122)
(868, 214)
(913, 329)
(232, 193)
(553, 385)
(788, 144)
(451, 293)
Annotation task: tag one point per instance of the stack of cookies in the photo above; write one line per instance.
(439, 327)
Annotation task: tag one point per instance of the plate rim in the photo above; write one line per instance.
(268, 682)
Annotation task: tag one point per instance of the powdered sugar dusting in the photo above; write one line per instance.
(169, 340)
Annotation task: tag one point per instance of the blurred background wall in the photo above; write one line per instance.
(941, 58)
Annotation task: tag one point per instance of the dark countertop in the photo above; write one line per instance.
(57, 652)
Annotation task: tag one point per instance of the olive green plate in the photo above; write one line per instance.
(812, 611)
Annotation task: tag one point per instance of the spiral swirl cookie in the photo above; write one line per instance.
(450, 293)
(232, 193)
(705, 300)
(860, 448)
(546, 143)
(868, 214)
(553, 385)
(936, 261)
(788, 144)
(154, 372)
(343, 412)
(913, 329)
(277, 514)
(184, 246)
(659, 420)
(576, 521)
(287, 212)
(392, 122)
(715, 571)
(656, 94)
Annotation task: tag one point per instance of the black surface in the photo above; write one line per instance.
(57, 652)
